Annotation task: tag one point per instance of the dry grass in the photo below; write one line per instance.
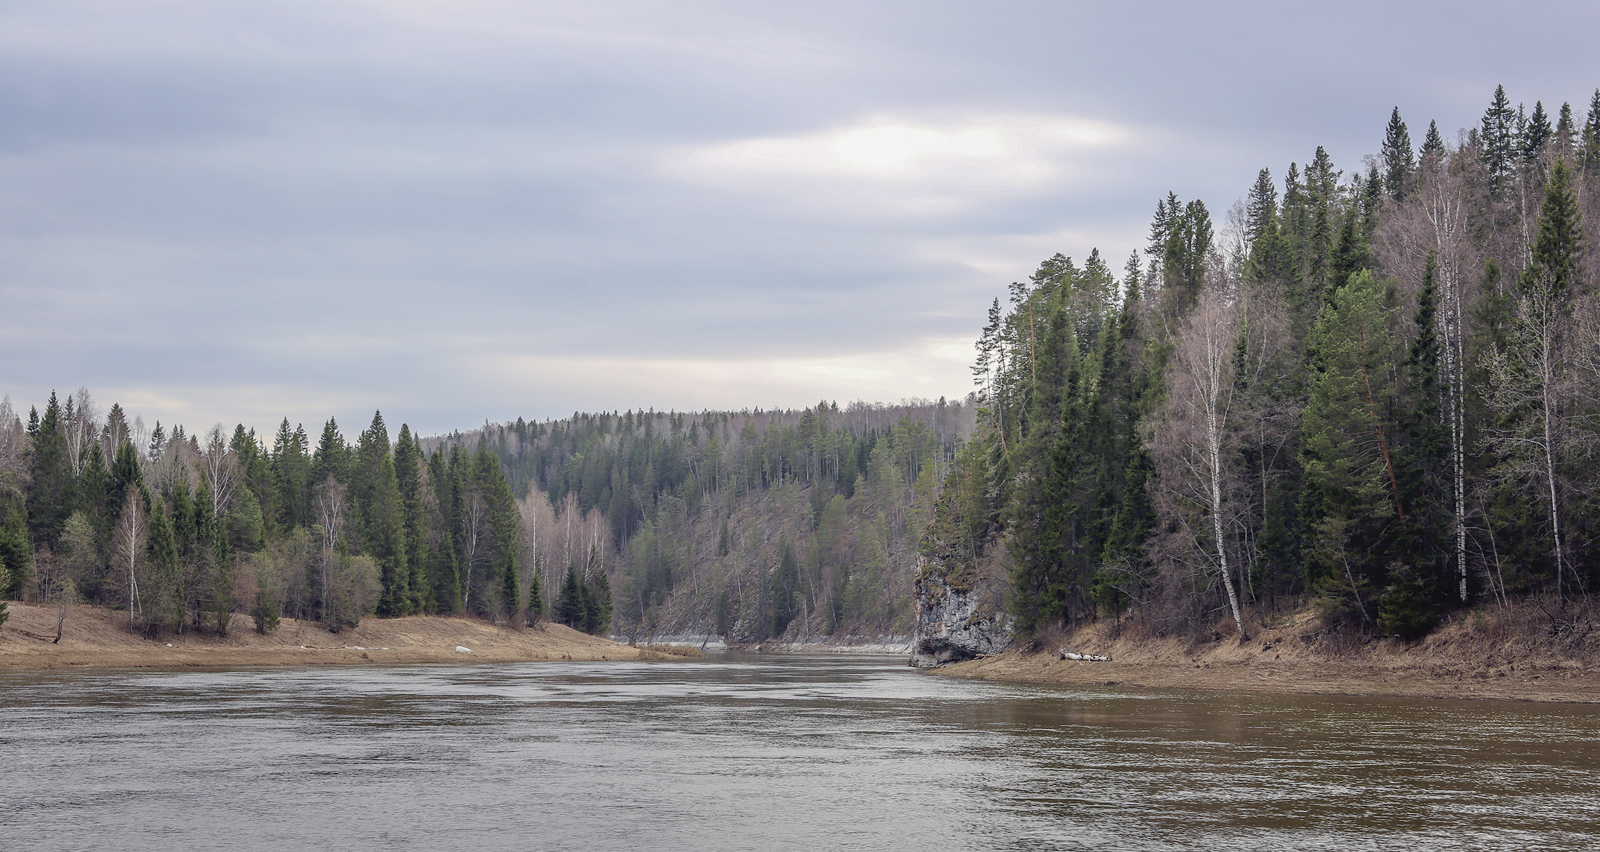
(1520, 653)
(95, 637)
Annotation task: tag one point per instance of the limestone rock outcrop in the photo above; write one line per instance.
(956, 618)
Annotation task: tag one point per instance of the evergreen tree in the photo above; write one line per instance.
(1497, 139)
(1589, 141)
(50, 480)
(1398, 161)
(570, 606)
(1537, 133)
(16, 555)
(598, 597)
(1566, 133)
(384, 515)
(1353, 495)
(1261, 210)
(410, 469)
(1433, 144)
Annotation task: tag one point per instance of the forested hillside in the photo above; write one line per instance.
(1377, 390)
(751, 524)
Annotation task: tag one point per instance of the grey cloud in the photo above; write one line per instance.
(319, 208)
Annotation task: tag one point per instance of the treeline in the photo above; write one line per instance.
(1378, 391)
(182, 531)
(746, 524)
(577, 518)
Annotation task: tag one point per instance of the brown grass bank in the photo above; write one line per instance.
(1521, 654)
(99, 638)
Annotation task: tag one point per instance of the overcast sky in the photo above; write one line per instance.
(459, 211)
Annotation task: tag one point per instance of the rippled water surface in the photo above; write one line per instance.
(767, 753)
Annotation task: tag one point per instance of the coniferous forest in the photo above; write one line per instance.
(1374, 389)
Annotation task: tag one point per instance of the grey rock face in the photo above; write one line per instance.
(954, 622)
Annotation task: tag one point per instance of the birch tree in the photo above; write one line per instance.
(127, 547)
(1194, 445)
(1533, 382)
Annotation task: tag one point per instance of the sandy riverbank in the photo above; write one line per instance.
(99, 638)
(1512, 655)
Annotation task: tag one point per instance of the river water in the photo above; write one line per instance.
(766, 752)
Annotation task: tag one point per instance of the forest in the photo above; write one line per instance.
(742, 522)
(1372, 391)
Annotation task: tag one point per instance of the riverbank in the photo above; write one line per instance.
(99, 638)
(1519, 654)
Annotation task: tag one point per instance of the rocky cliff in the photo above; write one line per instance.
(957, 617)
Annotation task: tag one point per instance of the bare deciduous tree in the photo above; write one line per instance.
(221, 469)
(127, 548)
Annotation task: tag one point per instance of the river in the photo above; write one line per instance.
(768, 753)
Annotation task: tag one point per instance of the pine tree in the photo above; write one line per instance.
(1398, 161)
(1351, 481)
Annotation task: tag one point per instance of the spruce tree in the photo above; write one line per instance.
(1537, 133)
(384, 516)
(51, 497)
(1589, 141)
(1261, 210)
(1566, 133)
(1497, 139)
(1432, 144)
(570, 605)
(1560, 242)
(1398, 161)
(598, 597)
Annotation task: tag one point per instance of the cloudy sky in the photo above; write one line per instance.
(459, 211)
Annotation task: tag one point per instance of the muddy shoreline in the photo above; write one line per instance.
(1509, 655)
(98, 638)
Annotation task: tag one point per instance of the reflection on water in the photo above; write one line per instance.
(767, 753)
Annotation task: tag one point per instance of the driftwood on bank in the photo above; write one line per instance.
(1083, 658)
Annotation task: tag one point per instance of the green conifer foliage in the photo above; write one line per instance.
(1398, 162)
(1497, 139)
(1589, 142)
(1433, 143)
(1347, 447)
(1536, 134)
(51, 491)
